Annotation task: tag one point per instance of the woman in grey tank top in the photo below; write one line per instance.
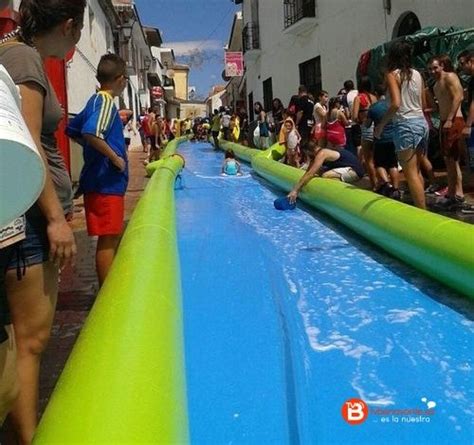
(406, 96)
(49, 28)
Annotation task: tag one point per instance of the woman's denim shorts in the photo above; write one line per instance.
(34, 249)
(411, 133)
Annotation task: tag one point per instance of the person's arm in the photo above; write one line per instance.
(103, 148)
(62, 246)
(299, 115)
(355, 109)
(157, 128)
(455, 89)
(342, 118)
(469, 120)
(320, 112)
(395, 102)
(428, 100)
(310, 173)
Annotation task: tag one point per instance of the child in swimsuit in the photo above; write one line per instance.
(230, 166)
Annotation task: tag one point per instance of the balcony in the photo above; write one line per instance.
(299, 16)
(251, 40)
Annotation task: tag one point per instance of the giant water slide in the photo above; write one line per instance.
(225, 321)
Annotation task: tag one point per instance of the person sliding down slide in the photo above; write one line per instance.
(230, 166)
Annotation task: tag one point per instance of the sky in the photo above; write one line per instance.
(197, 30)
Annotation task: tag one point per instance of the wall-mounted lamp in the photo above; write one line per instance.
(127, 30)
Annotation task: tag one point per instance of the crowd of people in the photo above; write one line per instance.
(377, 130)
(156, 131)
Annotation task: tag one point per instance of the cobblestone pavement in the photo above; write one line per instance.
(78, 286)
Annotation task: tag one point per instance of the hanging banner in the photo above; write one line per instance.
(234, 64)
(157, 92)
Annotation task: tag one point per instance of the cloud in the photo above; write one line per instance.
(189, 47)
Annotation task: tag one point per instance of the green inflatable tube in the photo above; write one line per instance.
(168, 151)
(439, 246)
(173, 145)
(124, 382)
(244, 153)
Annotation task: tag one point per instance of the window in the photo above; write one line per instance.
(310, 75)
(295, 10)
(407, 24)
(267, 94)
(250, 37)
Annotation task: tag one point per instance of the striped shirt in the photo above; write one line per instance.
(101, 119)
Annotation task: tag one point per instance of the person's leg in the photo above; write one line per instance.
(454, 178)
(106, 248)
(215, 135)
(409, 162)
(331, 174)
(368, 158)
(450, 176)
(427, 168)
(356, 135)
(382, 174)
(394, 177)
(32, 303)
(8, 374)
(291, 158)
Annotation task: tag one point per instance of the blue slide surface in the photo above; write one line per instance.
(287, 315)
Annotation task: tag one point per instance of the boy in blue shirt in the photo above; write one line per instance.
(104, 177)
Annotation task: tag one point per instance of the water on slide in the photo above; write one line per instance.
(287, 315)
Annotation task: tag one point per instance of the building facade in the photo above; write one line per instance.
(190, 109)
(110, 26)
(181, 81)
(235, 93)
(214, 101)
(319, 42)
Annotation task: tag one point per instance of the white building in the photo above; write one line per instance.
(235, 93)
(135, 50)
(214, 101)
(169, 105)
(97, 39)
(190, 109)
(318, 42)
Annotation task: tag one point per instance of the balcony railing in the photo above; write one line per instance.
(250, 37)
(295, 10)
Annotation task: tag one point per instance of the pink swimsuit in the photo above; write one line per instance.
(335, 133)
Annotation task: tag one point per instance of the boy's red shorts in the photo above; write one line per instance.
(104, 214)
